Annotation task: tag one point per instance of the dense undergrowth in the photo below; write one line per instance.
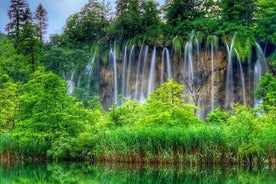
(163, 129)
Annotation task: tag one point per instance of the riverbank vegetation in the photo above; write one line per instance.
(163, 129)
(39, 120)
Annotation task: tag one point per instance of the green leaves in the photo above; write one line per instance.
(267, 91)
(8, 103)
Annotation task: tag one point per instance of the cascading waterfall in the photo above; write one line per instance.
(242, 78)
(131, 59)
(229, 90)
(151, 83)
(89, 69)
(260, 68)
(124, 72)
(188, 70)
(70, 83)
(165, 56)
(213, 50)
(112, 56)
(202, 71)
(138, 73)
(144, 76)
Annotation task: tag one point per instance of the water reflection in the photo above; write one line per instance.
(83, 173)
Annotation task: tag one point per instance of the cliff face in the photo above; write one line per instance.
(203, 75)
(212, 77)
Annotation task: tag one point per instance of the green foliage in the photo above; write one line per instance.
(11, 62)
(29, 45)
(165, 106)
(136, 20)
(266, 20)
(244, 41)
(217, 117)
(177, 44)
(8, 102)
(88, 26)
(238, 11)
(63, 61)
(267, 91)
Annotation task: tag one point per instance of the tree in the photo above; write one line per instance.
(40, 20)
(266, 20)
(8, 102)
(46, 112)
(28, 18)
(128, 22)
(238, 11)
(12, 63)
(183, 10)
(88, 26)
(150, 13)
(29, 44)
(267, 91)
(166, 105)
(18, 14)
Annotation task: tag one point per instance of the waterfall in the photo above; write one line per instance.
(212, 74)
(89, 69)
(188, 69)
(165, 56)
(70, 83)
(128, 81)
(229, 90)
(260, 68)
(201, 71)
(242, 78)
(124, 71)
(112, 56)
(151, 83)
(144, 76)
(138, 73)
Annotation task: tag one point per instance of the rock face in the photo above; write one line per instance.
(204, 72)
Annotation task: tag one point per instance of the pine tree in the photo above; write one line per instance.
(19, 14)
(40, 20)
(27, 16)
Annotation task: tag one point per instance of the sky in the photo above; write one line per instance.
(58, 12)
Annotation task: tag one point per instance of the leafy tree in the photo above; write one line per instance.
(47, 113)
(267, 91)
(30, 45)
(128, 22)
(217, 117)
(238, 11)
(166, 105)
(62, 60)
(150, 13)
(88, 26)
(178, 11)
(8, 102)
(19, 15)
(266, 20)
(40, 20)
(189, 15)
(136, 20)
(12, 63)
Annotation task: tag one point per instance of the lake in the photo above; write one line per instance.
(73, 173)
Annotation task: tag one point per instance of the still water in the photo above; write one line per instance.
(83, 173)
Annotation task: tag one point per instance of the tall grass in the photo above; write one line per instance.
(193, 146)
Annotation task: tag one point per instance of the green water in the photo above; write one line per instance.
(95, 174)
